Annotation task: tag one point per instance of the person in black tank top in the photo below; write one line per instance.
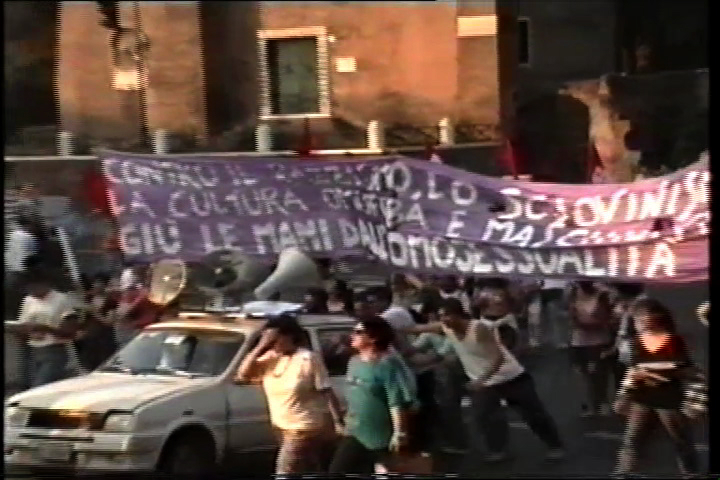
(655, 388)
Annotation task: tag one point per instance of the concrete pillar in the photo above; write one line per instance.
(263, 138)
(160, 142)
(446, 132)
(375, 135)
(66, 144)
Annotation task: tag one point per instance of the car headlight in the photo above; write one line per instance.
(119, 422)
(16, 416)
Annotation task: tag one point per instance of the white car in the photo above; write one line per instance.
(164, 403)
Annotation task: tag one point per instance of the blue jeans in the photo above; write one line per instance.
(49, 364)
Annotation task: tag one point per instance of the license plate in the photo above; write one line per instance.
(54, 452)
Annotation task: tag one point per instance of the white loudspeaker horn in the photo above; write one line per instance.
(293, 267)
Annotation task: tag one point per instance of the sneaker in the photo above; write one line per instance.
(496, 457)
(503, 402)
(555, 454)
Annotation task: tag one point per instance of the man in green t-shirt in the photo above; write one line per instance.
(381, 393)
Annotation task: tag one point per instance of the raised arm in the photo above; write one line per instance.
(250, 368)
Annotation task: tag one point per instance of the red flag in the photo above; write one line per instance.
(509, 158)
(305, 149)
(96, 191)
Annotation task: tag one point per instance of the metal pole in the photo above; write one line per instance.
(142, 76)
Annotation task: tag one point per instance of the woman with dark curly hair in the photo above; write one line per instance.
(654, 386)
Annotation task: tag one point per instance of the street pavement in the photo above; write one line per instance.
(592, 444)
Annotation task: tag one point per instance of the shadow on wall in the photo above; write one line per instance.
(553, 132)
(30, 37)
(230, 59)
(668, 114)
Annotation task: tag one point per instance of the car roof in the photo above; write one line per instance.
(245, 326)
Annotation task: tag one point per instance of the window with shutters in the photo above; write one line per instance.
(294, 73)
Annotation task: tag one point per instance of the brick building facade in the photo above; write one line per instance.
(213, 66)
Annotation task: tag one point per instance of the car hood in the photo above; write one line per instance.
(100, 392)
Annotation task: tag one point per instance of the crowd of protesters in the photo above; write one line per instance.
(420, 346)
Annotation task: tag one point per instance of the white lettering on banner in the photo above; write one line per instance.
(608, 211)
(116, 208)
(508, 228)
(675, 190)
(633, 260)
(530, 213)
(653, 202)
(589, 267)
(699, 193)
(566, 258)
(547, 266)
(309, 235)
(588, 216)
(632, 207)
(172, 205)
(161, 173)
(523, 237)
(146, 238)
(138, 205)
(511, 195)
(506, 264)
(264, 201)
(433, 193)
(456, 223)
(599, 210)
(662, 256)
(398, 177)
(462, 194)
(413, 251)
(613, 261)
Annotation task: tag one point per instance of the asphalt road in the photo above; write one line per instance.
(592, 444)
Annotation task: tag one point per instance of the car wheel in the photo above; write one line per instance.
(189, 454)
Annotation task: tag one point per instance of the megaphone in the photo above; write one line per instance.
(293, 267)
(167, 281)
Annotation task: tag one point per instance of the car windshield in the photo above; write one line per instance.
(177, 353)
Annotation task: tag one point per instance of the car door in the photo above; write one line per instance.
(333, 344)
(249, 427)
(248, 419)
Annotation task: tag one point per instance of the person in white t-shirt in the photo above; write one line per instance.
(21, 245)
(302, 404)
(46, 318)
(449, 287)
(495, 374)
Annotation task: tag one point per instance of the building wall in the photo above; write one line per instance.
(406, 57)
(90, 106)
(176, 89)
(569, 40)
(203, 65)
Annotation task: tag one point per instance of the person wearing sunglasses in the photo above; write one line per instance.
(381, 396)
(299, 395)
